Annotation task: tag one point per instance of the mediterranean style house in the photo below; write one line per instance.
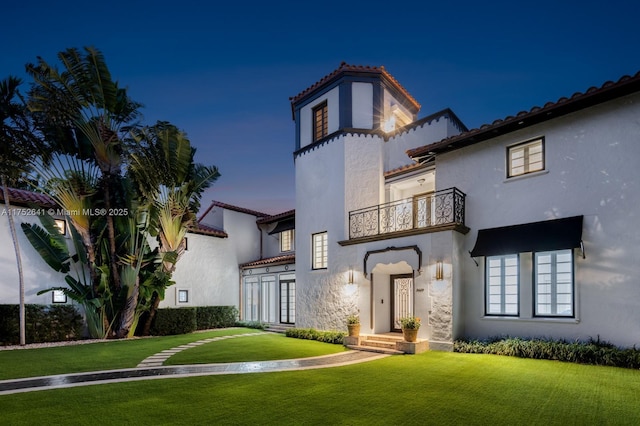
(522, 227)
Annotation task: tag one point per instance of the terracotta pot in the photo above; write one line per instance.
(410, 335)
(354, 330)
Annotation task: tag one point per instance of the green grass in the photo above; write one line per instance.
(108, 355)
(258, 348)
(431, 388)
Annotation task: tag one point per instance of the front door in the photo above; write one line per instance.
(401, 299)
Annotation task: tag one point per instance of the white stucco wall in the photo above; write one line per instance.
(397, 146)
(37, 274)
(320, 206)
(362, 105)
(306, 120)
(591, 170)
(206, 271)
(209, 269)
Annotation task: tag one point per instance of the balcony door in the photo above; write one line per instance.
(422, 206)
(401, 299)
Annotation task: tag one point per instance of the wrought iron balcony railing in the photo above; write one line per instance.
(445, 207)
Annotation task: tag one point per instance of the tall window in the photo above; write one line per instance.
(320, 122)
(319, 250)
(526, 158)
(286, 240)
(502, 285)
(554, 283)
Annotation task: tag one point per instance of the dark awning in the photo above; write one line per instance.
(284, 225)
(548, 235)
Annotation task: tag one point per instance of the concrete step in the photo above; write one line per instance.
(378, 343)
(375, 349)
(383, 337)
(278, 328)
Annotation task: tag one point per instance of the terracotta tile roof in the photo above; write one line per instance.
(277, 260)
(284, 215)
(403, 169)
(208, 230)
(626, 85)
(24, 198)
(345, 68)
(231, 207)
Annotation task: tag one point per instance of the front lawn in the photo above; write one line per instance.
(107, 355)
(430, 388)
(255, 348)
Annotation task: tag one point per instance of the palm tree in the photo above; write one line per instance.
(85, 114)
(162, 164)
(17, 145)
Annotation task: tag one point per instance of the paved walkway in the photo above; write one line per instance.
(145, 371)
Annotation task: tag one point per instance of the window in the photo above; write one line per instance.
(502, 285)
(553, 272)
(320, 122)
(58, 296)
(525, 158)
(183, 296)
(286, 240)
(319, 250)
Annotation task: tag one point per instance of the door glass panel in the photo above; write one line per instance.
(402, 296)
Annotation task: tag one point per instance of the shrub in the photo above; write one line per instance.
(208, 317)
(44, 323)
(335, 337)
(169, 321)
(593, 352)
(252, 324)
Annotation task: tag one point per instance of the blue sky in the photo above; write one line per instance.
(224, 72)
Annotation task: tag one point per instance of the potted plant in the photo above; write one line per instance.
(410, 326)
(353, 324)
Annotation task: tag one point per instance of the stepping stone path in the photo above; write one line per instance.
(158, 359)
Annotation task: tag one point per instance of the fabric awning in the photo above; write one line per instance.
(547, 235)
(284, 225)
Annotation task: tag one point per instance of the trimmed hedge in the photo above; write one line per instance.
(215, 317)
(335, 337)
(594, 352)
(171, 321)
(44, 323)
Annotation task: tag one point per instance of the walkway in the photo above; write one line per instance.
(146, 372)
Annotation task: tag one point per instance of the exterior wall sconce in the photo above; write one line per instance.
(350, 276)
(439, 270)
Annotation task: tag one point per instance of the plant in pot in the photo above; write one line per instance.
(410, 327)
(353, 324)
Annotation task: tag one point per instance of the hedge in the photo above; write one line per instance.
(170, 321)
(594, 352)
(336, 337)
(215, 317)
(44, 323)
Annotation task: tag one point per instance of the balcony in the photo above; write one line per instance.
(423, 213)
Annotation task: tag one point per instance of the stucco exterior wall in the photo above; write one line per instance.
(362, 102)
(206, 271)
(320, 207)
(591, 170)
(209, 269)
(397, 146)
(37, 274)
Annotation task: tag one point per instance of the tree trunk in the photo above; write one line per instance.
(16, 246)
(127, 316)
(152, 313)
(115, 274)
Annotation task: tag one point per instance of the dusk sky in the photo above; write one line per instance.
(223, 72)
